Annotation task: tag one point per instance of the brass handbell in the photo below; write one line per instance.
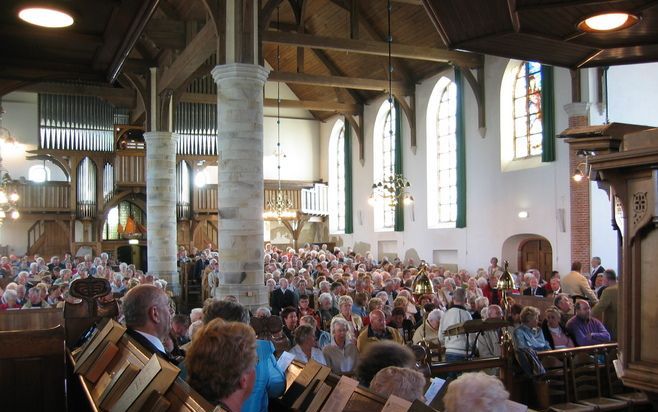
(421, 285)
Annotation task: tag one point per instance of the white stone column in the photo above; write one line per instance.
(161, 207)
(240, 184)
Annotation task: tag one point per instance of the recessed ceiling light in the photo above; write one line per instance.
(46, 17)
(606, 22)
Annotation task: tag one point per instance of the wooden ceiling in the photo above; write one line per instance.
(333, 53)
(545, 30)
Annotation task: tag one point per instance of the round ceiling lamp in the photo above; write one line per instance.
(606, 22)
(46, 16)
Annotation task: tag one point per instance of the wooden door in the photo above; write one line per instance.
(536, 254)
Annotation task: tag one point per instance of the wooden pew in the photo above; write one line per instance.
(31, 319)
(33, 369)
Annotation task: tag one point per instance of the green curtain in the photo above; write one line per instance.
(548, 114)
(461, 152)
(399, 208)
(349, 217)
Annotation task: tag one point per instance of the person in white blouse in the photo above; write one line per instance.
(305, 348)
(341, 354)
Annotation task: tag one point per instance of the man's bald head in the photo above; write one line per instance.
(377, 321)
(139, 303)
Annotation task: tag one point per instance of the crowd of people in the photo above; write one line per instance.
(345, 310)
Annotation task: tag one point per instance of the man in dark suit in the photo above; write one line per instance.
(148, 318)
(596, 269)
(534, 289)
(283, 297)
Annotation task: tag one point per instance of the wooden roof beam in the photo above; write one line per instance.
(190, 59)
(315, 105)
(376, 48)
(115, 95)
(338, 81)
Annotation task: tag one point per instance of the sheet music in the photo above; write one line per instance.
(435, 386)
(285, 360)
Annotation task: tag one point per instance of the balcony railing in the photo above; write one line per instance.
(43, 197)
(315, 201)
(129, 170)
(205, 199)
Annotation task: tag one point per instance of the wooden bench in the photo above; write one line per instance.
(33, 369)
(31, 319)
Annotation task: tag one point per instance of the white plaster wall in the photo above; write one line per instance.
(300, 144)
(494, 198)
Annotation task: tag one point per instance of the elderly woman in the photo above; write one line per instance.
(341, 354)
(326, 310)
(231, 345)
(429, 332)
(528, 335)
(305, 349)
(405, 383)
(555, 332)
(10, 297)
(354, 321)
(476, 392)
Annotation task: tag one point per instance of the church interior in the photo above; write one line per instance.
(260, 152)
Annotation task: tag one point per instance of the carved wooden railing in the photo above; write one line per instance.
(42, 197)
(130, 169)
(205, 199)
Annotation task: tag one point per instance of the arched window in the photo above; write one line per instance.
(527, 111)
(337, 178)
(442, 154)
(38, 173)
(523, 117)
(384, 162)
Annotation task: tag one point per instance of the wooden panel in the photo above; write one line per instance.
(648, 335)
(33, 319)
(205, 199)
(129, 170)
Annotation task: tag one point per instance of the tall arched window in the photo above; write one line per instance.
(527, 115)
(384, 161)
(337, 178)
(527, 111)
(442, 155)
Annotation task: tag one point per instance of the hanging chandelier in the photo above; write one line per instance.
(8, 196)
(280, 207)
(393, 189)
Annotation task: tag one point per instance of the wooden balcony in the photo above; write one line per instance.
(46, 197)
(130, 168)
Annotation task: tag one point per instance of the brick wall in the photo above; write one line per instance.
(580, 206)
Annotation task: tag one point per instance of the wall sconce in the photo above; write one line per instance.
(582, 169)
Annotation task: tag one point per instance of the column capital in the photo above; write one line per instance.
(577, 109)
(240, 71)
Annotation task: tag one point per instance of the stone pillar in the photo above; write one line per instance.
(240, 184)
(161, 207)
(580, 205)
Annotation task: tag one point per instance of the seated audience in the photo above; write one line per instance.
(34, 299)
(534, 289)
(270, 379)
(554, 330)
(586, 329)
(476, 392)
(354, 322)
(326, 310)
(221, 364)
(403, 325)
(341, 355)
(607, 308)
(305, 349)
(377, 331)
(10, 299)
(380, 355)
(528, 335)
(404, 383)
(322, 338)
(489, 341)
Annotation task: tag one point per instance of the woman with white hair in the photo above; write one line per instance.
(305, 349)
(326, 311)
(476, 392)
(429, 331)
(341, 355)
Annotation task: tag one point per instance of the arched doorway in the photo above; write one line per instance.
(529, 251)
(536, 254)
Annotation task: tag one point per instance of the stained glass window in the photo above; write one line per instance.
(446, 155)
(119, 215)
(527, 111)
